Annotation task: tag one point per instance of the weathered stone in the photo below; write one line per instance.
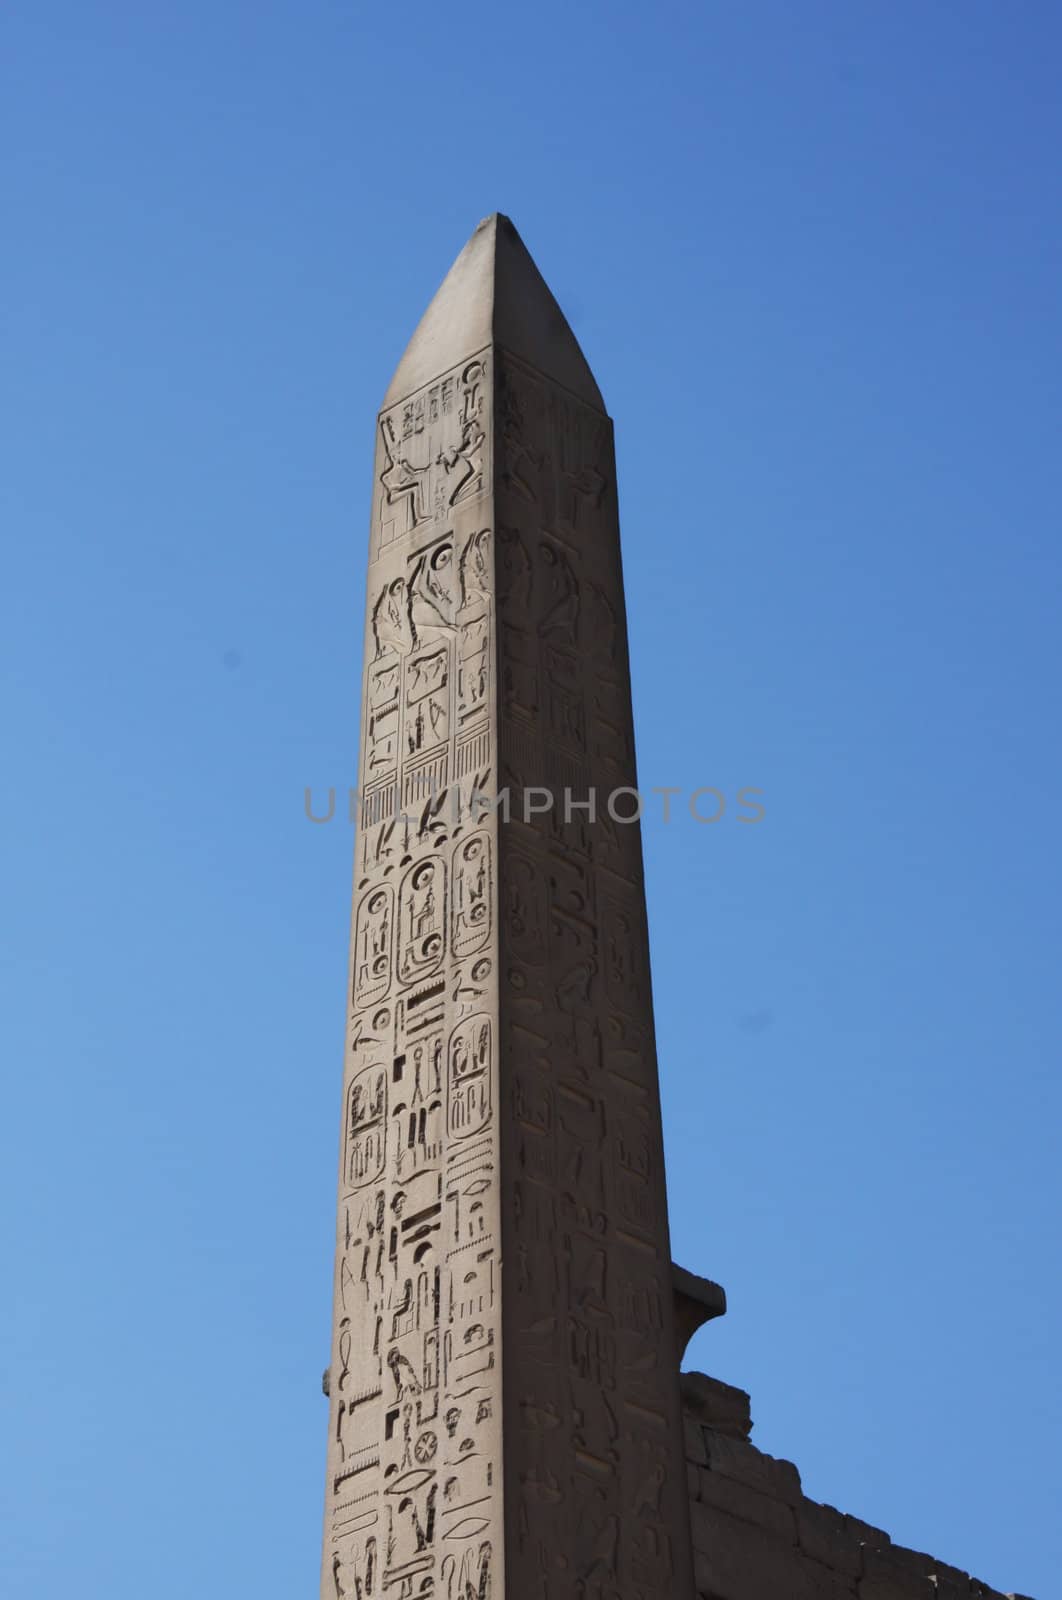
(734, 1561)
(896, 1561)
(903, 1569)
(509, 1430)
(737, 1459)
(718, 1405)
(750, 1505)
(827, 1536)
(945, 1588)
(945, 1576)
(867, 1534)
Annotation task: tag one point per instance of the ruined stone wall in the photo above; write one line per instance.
(757, 1537)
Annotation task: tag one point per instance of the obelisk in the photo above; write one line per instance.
(504, 1403)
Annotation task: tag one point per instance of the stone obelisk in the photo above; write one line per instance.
(504, 1405)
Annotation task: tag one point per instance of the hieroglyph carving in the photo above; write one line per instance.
(497, 1435)
(433, 454)
(414, 1503)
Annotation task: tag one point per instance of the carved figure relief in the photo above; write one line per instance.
(366, 1128)
(525, 909)
(474, 633)
(403, 483)
(523, 462)
(434, 455)
(472, 895)
(431, 602)
(373, 938)
(390, 621)
(422, 920)
(559, 615)
(469, 1083)
(463, 462)
(427, 722)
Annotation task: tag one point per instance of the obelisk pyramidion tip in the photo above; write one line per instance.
(494, 294)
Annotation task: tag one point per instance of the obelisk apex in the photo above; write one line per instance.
(504, 1402)
(494, 294)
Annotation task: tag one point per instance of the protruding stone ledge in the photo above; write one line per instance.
(697, 1301)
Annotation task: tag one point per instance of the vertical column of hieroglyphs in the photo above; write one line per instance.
(414, 1472)
(596, 1489)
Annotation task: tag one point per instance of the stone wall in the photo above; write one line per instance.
(756, 1536)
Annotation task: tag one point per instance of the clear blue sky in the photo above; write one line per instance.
(812, 252)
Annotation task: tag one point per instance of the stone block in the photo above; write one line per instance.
(736, 1561)
(950, 1589)
(696, 1447)
(736, 1458)
(719, 1405)
(948, 1581)
(895, 1568)
(827, 1536)
(750, 1505)
(867, 1534)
